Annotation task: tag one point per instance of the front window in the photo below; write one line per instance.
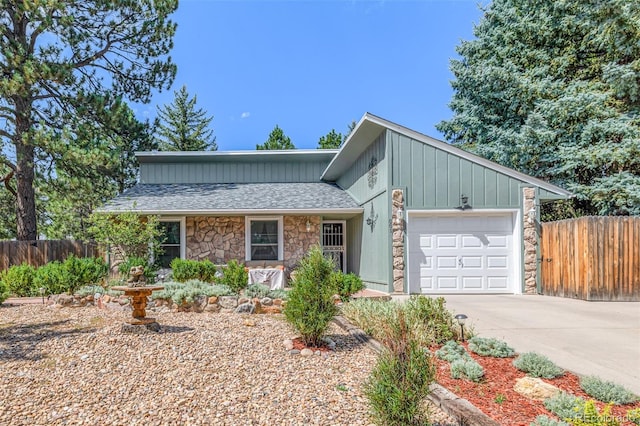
(264, 239)
(171, 245)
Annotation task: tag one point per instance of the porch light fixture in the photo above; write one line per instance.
(531, 214)
(461, 318)
(464, 203)
(399, 215)
(308, 226)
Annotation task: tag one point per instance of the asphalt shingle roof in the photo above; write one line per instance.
(247, 196)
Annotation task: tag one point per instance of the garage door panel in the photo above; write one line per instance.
(447, 262)
(472, 283)
(459, 253)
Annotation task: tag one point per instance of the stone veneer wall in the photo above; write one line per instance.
(397, 197)
(297, 240)
(218, 239)
(530, 241)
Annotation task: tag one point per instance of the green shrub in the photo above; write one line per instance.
(490, 347)
(185, 269)
(607, 392)
(149, 270)
(189, 291)
(400, 380)
(4, 291)
(634, 416)
(347, 284)
(53, 277)
(90, 290)
(452, 351)
(588, 414)
(234, 276)
(547, 421)
(466, 368)
(310, 307)
(536, 365)
(18, 279)
(257, 291)
(370, 314)
(563, 405)
(82, 271)
(433, 319)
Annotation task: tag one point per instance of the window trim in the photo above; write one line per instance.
(183, 232)
(247, 236)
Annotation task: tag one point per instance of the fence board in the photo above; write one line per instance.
(591, 258)
(40, 252)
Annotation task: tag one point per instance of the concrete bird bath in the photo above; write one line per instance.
(138, 291)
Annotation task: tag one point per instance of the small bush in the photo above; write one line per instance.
(189, 291)
(347, 284)
(607, 392)
(369, 314)
(4, 291)
(452, 351)
(83, 271)
(400, 380)
(634, 416)
(563, 405)
(185, 269)
(466, 368)
(53, 277)
(257, 291)
(234, 276)
(536, 365)
(149, 270)
(432, 318)
(547, 421)
(310, 306)
(490, 347)
(90, 290)
(18, 279)
(588, 414)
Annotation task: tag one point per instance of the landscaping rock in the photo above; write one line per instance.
(242, 300)
(212, 307)
(228, 302)
(213, 300)
(288, 344)
(266, 301)
(245, 308)
(306, 352)
(277, 302)
(535, 388)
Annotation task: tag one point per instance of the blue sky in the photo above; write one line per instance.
(313, 66)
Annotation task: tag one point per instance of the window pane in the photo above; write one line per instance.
(170, 253)
(171, 231)
(264, 232)
(264, 252)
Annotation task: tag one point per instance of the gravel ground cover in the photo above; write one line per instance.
(74, 366)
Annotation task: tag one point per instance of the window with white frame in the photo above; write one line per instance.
(264, 237)
(172, 231)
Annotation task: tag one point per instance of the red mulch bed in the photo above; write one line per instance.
(297, 344)
(515, 409)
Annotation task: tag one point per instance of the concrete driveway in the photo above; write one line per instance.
(587, 338)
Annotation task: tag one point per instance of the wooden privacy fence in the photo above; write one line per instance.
(37, 253)
(591, 258)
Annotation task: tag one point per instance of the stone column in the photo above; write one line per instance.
(397, 197)
(530, 241)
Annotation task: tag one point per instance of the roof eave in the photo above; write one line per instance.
(234, 212)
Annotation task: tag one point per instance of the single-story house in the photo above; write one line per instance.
(406, 212)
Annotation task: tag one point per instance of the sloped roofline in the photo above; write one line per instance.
(248, 155)
(370, 126)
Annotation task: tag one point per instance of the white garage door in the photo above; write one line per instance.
(461, 253)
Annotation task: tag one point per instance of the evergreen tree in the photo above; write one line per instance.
(277, 140)
(331, 140)
(65, 66)
(552, 88)
(182, 127)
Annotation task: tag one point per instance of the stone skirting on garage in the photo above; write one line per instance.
(398, 241)
(530, 240)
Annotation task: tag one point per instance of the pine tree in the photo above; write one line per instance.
(552, 88)
(331, 140)
(65, 65)
(277, 140)
(182, 127)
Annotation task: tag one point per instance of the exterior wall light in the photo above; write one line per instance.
(461, 318)
(399, 215)
(531, 214)
(308, 226)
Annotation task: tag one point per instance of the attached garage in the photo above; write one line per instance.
(463, 252)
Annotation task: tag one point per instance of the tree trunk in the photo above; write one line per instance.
(26, 201)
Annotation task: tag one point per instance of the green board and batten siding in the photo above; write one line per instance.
(232, 172)
(436, 179)
(370, 242)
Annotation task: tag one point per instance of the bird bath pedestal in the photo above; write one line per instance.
(139, 303)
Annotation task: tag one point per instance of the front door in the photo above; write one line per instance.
(333, 242)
